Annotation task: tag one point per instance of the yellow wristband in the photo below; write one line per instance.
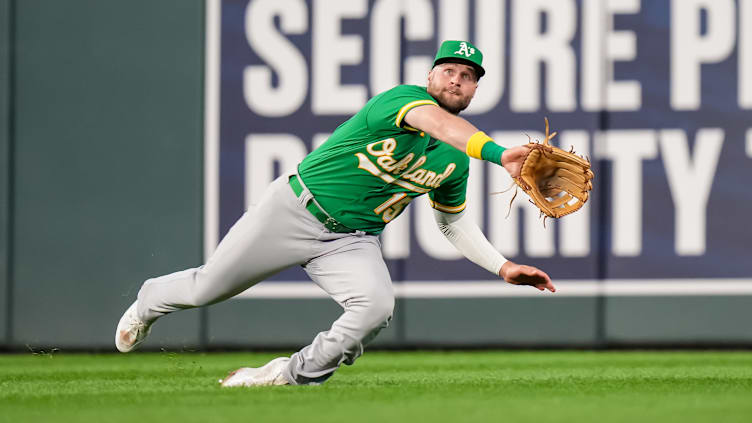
(475, 144)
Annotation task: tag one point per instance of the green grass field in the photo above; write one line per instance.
(478, 386)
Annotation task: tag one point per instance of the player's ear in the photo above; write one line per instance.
(433, 71)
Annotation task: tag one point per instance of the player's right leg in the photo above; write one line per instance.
(274, 234)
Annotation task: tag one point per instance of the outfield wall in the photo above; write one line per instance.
(107, 158)
(133, 135)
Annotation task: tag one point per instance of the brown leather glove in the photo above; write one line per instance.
(557, 181)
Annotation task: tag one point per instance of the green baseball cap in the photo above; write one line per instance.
(454, 51)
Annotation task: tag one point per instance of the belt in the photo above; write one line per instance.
(329, 222)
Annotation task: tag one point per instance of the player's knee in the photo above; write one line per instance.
(386, 308)
(380, 312)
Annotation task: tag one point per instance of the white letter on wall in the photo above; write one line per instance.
(490, 35)
(531, 47)
(626, 149)
(386, 39)
(279, 53)
(690, 49)
(690, 180)
(602, 46)
(745, 54)
(331, 50)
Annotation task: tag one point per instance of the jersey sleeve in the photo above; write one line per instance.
(387, 113)
(450, 197)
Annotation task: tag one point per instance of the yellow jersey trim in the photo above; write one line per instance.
(403, 111)
(447, 209)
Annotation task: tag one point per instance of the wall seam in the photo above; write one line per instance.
(602, 237)
(10, 172)
(203, 326)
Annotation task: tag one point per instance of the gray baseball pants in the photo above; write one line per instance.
(275, 234)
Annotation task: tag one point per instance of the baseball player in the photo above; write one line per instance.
(326, 217)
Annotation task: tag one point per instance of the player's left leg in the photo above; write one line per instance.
(355, 276)
(351, 270)
(276, 233)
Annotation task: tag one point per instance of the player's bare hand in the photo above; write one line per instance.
(520, 274)
(512, 159)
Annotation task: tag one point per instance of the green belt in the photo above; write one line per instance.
(329, 222)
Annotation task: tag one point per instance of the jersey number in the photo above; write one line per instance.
(392, 207)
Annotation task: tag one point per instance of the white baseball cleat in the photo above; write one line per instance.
(267, 375)
(131, 331)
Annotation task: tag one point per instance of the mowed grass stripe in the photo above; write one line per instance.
(385, 387)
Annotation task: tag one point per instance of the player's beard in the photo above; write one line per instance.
(452, 103)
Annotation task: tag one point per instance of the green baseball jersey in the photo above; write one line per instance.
(374, 164)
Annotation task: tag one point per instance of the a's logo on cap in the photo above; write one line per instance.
(464, 49)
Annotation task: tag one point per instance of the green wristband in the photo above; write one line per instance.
(492, 152)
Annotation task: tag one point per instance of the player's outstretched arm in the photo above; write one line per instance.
(467, 237)
(457, 132)
(520, 274)
(441, 125)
